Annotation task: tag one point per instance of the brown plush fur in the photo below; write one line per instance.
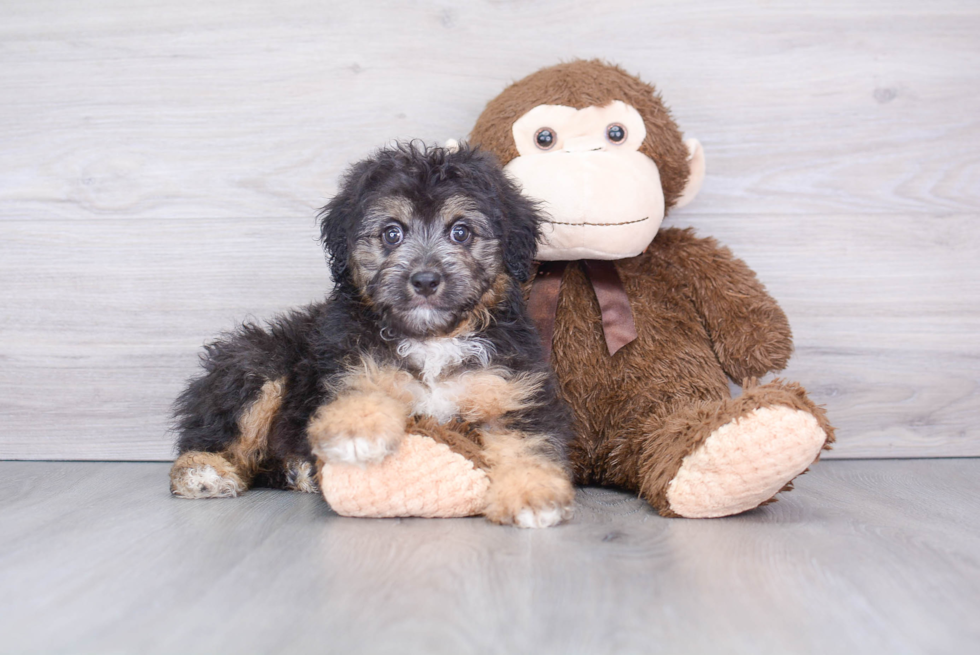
(581, 84)
(689, 335)
(701, 315)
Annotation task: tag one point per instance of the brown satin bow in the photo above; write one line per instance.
(614, 305)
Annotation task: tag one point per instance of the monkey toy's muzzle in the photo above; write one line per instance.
(598, 204)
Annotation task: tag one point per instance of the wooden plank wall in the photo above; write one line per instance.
(161, 164)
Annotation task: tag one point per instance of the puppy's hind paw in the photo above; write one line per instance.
(361, 428)
(205, 475)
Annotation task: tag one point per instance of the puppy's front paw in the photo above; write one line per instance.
(530, 496)
(360, 428)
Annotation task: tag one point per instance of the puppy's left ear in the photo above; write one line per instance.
(520, 222)
(523, 228)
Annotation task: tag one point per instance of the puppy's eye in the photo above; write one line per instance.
(545, 138)
(616, 133)
(460, 233)
(393, 235)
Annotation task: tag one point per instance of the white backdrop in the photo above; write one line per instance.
(161, 165)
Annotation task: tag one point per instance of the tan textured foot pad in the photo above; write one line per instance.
(745, 462)
(423, 478)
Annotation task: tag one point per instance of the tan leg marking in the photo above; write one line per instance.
(205, 475)
(527, 489)
(370, 377)
(366, 421)
(228, 474)
(248, 451)
(358, 428)
(488, 395)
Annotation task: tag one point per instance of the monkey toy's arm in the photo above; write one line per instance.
(749, 331)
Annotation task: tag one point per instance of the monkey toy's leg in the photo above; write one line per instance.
(722, 457)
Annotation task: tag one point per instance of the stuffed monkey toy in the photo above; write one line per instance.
(646, 325)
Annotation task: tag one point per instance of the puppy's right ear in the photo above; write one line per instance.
(339, 218)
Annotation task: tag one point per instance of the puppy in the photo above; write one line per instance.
(428, 249)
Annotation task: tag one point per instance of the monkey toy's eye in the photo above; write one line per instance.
(460, 233)
(616, 133)
(393, 235)
(545, 138)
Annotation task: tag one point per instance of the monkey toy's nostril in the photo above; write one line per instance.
(425, 283)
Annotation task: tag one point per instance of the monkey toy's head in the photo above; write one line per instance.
(600, 152)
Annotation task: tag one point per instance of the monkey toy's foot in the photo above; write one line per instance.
(766, 438)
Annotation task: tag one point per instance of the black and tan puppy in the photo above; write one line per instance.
(428, 250)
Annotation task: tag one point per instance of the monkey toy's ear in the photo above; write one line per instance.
(696, 165)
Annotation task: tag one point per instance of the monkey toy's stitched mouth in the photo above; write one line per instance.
(639, 220)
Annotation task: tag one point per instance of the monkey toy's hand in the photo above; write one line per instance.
(358, 428)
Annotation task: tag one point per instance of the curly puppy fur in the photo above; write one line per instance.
(428, 250)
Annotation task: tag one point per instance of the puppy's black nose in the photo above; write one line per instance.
(425, 283)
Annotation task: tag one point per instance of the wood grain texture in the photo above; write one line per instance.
(100, 336)
(162, 163)
(246, 108)
(105, 327)
(863, 557)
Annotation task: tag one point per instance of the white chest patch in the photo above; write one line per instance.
(437, 395)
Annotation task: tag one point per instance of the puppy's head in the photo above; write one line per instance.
(427, 236)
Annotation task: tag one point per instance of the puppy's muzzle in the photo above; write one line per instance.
(425, 283)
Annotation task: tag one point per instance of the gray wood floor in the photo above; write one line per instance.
(865, 556)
